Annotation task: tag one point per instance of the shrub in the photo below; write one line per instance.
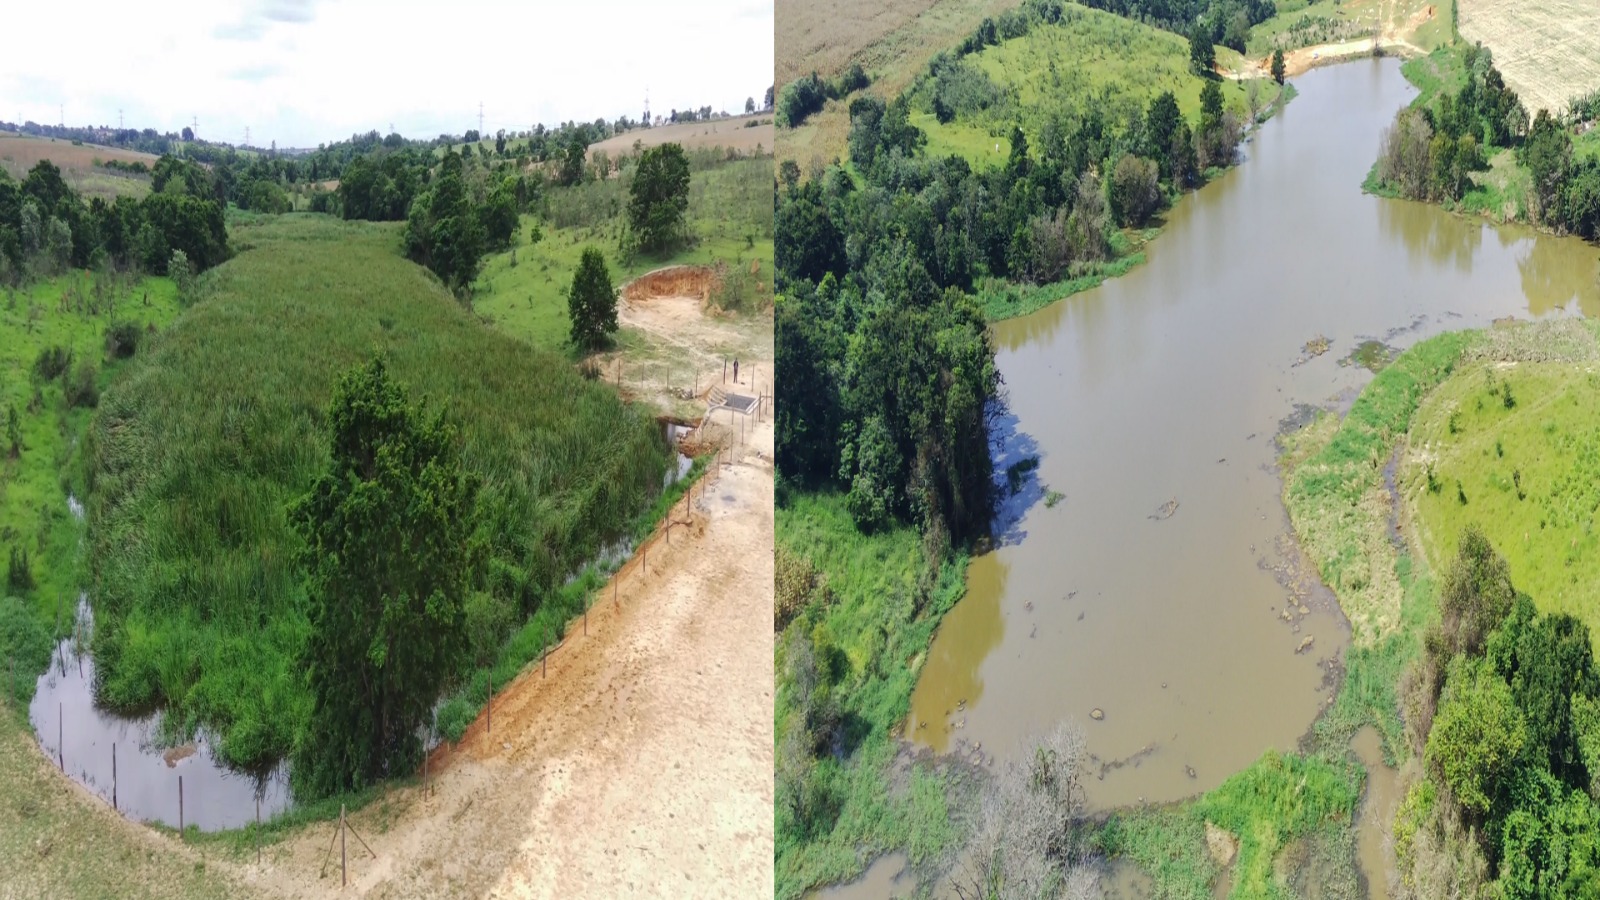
(122, 339)
(81, 389)
(19, 571)
(24, 641)
(51, 362)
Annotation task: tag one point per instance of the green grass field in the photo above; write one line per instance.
(1525, 470)
(730, 217)
(63, 312)
(194, 454)
(1090, 59)
(869, 614)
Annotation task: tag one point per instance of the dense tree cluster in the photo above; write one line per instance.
(1505, 706)
(46, 227)
(380, 188)
(443, 229)
(1430, 151)
(1225, 22)
(888, 374)
(805, 96)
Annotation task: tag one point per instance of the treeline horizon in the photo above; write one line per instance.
(158, 143)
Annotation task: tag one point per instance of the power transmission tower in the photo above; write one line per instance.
(247, 136)
(63, 111)
(480, 120)
(119, 120)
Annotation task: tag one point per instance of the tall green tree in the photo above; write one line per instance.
(389, 553)
(572, 161)
(1202, 52)
(1279, 68)
(443, 231)
(659, 197)
(592, 302)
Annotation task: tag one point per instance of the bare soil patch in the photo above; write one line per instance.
(677, 346)
(1548, 51)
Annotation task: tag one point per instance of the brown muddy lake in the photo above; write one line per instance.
(1162, 589)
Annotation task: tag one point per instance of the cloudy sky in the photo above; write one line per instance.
(304, 72)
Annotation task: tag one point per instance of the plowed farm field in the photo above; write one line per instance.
(1548, 51)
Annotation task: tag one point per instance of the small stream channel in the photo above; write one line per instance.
(79, 736)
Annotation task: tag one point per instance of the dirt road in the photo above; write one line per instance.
(641, 766)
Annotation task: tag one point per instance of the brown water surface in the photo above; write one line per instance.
(1156, 590)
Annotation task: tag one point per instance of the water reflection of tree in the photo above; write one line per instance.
(1556, 271)
(1431, 233)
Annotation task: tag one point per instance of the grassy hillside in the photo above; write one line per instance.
(1089, 59)
(869, 604)
(1514, 447)
(81, 165)
(193, 456)
(522, 291)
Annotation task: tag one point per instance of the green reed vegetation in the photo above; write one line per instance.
(195, 453)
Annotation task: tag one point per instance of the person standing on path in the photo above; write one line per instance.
(736, 371)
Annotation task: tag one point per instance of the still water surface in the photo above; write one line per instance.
(1156, 590)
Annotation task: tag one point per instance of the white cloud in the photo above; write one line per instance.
(303, 72)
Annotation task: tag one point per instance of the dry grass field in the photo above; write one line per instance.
(892, 40)
(1549, 51)
(19, 153)
(733, 134)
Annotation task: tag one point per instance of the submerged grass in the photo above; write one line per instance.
(1005, 300)
(1337, 498)
(194, 455)
(1281, 798)
(867, 607)
(1338, 503)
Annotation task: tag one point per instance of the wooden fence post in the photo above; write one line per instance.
(61, 745)
(488, 724)
(258, 829)
(545, 662)
(344, 872)
(180, 807)
(113, 774)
